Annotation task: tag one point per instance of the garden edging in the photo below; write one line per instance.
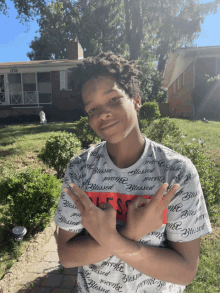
(33, 251)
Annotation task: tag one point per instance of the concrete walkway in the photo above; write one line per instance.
(47, 275)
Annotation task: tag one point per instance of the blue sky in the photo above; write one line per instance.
(15, 38)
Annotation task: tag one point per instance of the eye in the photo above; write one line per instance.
(91, 111)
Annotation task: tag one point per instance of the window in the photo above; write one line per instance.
(14, 78)
(44, 87)
(43, 77)
(64, 80)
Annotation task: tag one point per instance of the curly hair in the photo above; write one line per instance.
(125, 73)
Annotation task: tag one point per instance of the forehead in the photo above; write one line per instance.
(101, 85)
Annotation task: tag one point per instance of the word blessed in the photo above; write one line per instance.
(119, 202)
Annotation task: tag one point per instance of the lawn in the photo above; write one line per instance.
(28, 141)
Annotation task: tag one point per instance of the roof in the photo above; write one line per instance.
(191, 52)
(39, 63)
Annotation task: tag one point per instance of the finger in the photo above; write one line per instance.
(139, 201)
(82, 196)
(75, 199)
(155, 201)
(168, 196)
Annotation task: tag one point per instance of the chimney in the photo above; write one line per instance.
(75, 50)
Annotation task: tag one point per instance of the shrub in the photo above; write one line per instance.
(209, 180)
(149, 111)
(58, 150)
(31, 197)
(161, 129)
(85, 133)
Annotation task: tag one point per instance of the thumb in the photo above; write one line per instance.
(108, 206)
(105, 206)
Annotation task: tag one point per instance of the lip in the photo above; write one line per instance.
(111, 126)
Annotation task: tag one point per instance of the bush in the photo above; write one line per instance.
(58, 150)
(85, 133)
(149, 111)
(161, 129)
(31, 198)
(209, 180)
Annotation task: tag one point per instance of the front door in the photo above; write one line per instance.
(2, 90)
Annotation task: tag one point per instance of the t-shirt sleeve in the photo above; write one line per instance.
(67, 215)
(187, 215)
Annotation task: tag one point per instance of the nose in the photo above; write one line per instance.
(103, 112)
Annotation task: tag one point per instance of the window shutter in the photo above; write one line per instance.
(62, 80)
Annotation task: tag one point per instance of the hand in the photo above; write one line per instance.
(144, 220)
(100, 224)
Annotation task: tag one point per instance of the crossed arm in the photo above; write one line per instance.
(176, 264)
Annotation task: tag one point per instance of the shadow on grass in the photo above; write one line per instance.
(15, 131)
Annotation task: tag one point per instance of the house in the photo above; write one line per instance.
(184, 70)
(26, 88)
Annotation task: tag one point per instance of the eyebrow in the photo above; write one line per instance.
(105, 93)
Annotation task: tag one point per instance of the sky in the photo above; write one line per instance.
(16, 37)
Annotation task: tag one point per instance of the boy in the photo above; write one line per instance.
(143, 255)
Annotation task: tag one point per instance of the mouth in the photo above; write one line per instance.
(109, 127)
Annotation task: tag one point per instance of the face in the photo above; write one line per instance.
(106, 103)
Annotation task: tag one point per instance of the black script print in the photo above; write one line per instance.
(83, 278)
(62, 219)
(188, 195)
(170, 168)
(138, 171)
(92, 284)
(200, 218)
(118, 267)
(178, 177)
(174, 226)
(121, 180)
(158, 178)
(128, 278)
(188, 213)
(99, 171)
(188, 177)
(97, 155)
(157, 149)
(176, 208)
(190, 231)
(82, 168)
(99, 272)
(132, 187)
(151, 282)
(144, 242)
(117, 286)
(92, 187)
(158, 235)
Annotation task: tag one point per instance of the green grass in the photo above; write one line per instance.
(28, 141)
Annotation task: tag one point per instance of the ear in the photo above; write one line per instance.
(137, 102)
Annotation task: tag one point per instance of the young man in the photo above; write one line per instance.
(127, 246)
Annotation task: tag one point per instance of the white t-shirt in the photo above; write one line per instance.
(187, 217)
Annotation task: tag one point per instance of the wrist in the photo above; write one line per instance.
(125, 233)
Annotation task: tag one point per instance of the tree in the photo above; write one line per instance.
(26, 9)
(55, 32)
(97, 27)
(173, 23)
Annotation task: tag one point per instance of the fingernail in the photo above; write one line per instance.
(165, 185)
(177, 186)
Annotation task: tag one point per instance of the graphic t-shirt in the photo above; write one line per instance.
(186, 216)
